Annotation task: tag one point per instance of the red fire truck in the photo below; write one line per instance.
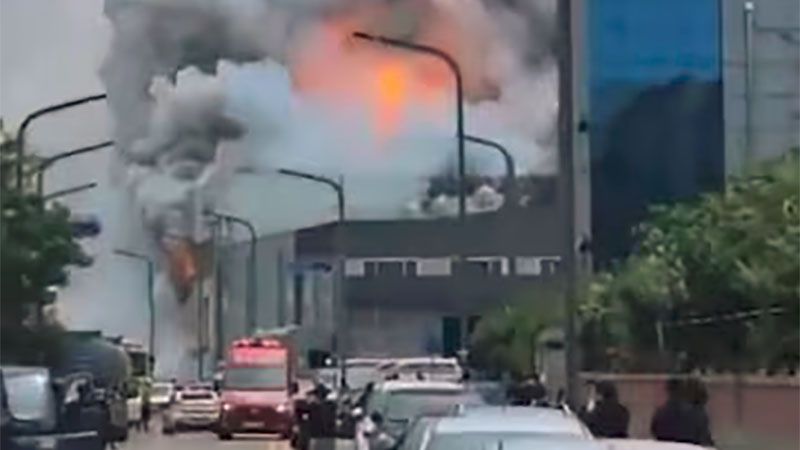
(258, 383)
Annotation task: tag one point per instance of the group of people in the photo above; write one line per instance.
(682, 417)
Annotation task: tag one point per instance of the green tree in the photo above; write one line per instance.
(721, 274)
(36, 247)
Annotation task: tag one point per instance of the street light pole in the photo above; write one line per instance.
(48, 162)
(151, 340)
(511, 171)
(341, 279)
(39, 113)
(68, 191)
(251, 307)
(456, 69)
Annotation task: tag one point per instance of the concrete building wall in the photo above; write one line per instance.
(274, 256)
(776, 73)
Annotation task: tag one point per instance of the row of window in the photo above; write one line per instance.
(410, 267)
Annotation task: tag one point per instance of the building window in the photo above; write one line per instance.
(410, 269)
(487, 265)
(434, 267)
(537, 265)
(354, 268)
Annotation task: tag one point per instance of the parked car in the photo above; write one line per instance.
(161, 394)
(504, 427)
(394, 405)
(194, 407)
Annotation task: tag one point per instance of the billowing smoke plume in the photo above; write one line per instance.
(202, 90)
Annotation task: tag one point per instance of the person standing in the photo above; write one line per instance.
(608, 418)
(146, 407)
(677, 420)
(697, 397)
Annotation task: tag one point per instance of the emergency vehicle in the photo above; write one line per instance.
(257, 389)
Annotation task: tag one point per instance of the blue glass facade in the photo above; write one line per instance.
(656, 110)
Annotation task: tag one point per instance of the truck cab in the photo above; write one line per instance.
(257, 389)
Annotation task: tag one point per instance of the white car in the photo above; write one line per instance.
(193, 408)
(501, 427)
(426, 368)
(161, 394)
(394, 405)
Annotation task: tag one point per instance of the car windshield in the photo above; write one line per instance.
(406, 405)
(360, 376)
(160, 390)
(201, 395)
(255, 378)
(29, 396)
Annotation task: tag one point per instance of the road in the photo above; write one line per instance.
(200, 441)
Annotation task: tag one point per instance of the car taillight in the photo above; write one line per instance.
(227, 406)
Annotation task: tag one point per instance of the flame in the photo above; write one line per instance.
(182, 264)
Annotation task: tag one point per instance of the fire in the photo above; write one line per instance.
(182, 265)
(392, 87)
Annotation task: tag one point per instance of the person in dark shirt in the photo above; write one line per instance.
(677, 419)
(609, 418)
(697, 397)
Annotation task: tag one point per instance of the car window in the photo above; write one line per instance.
(405, 406)
(197, 396)
(30, 397)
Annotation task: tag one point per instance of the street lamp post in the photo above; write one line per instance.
(456, 69)
(340, 301)
(151, 339)
(48, 162)
(511, 171)
(39, 113)
(68, 191)
(251, 307)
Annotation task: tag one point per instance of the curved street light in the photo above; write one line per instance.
(452, 64)
(151, 339)
(251, 306)
(48, 162)
(23, 128)
(340, 306)
(511, 171)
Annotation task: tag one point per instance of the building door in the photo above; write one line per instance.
(451, 335)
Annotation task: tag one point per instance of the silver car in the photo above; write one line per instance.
(506, 428)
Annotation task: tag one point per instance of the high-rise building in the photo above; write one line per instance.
(655, 89)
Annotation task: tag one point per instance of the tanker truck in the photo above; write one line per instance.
(110, 369)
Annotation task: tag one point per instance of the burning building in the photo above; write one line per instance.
(201, 90)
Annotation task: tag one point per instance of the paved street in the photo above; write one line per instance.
(200, 441)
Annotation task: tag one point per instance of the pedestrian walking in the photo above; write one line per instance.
(677, 419)
(606, 417)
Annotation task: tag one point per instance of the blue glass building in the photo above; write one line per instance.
(656, 122)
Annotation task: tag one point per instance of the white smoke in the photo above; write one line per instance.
(201, 89)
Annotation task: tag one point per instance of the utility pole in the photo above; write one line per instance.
(151, 340)
(749, 83)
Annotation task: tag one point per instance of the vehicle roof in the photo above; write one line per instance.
(419, 385)
(364, 362)
(647, 444)
(512, 419)
(426, 360)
